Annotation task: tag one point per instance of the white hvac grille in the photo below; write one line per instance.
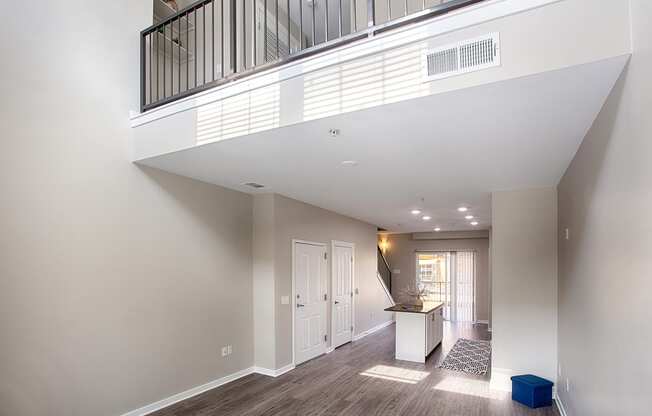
(463, 57)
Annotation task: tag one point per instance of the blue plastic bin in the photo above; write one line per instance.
(532, 391)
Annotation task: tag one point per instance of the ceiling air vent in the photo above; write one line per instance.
(463, 57)
(253, 185)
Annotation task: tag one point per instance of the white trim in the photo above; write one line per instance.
(560, 406)
(293, 302)
(330, 349)
(336, 243)
(169, 401)
(501, 379)
(150, 408)
(265, 371)
(274, 373)
(447, 23)
(372, 330)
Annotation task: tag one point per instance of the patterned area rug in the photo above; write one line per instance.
(468, 356)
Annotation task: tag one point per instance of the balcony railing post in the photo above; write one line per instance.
(371, 14)
(142, 72)
(234, 36)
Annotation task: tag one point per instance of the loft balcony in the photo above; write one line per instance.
(213, 42)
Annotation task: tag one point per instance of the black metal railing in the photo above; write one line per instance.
(384, 271)
(217, 41)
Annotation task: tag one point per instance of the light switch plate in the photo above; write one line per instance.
(285, 300)
(396, 271)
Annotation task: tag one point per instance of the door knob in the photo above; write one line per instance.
(300, 305)
(337, 303)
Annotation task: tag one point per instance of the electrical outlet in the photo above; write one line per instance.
(225, 351)
(229, 349)
(567, 385)
(567, 233)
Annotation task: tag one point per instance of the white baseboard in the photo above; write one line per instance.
(150, 408)
(372, 330)
(501, 379)
(560, 406)
(330, 349)
(273, 373)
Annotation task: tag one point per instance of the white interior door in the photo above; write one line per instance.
(342, 307)
(310, 301)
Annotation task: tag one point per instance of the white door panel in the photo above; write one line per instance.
(310, 301)
(342, 278)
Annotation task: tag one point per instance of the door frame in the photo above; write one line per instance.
(335, 243)
(293, 299)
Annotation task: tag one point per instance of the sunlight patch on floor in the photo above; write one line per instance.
(402, 375)
(469, 387)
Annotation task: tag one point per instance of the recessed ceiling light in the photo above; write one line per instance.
(437, 229)
(469, 217)
(334, 132)
(349, 163)
(474, 223)
(426, 217)
(416, 211)
(462, 209)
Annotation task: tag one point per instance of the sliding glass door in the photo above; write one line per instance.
(449, 277)
(433, 273)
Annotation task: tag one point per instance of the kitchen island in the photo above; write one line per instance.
(419, 329)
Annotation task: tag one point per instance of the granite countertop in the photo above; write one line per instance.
(425, 309)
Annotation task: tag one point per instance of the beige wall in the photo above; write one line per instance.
(296, 220)
(118, 285)
(605, 290)
(524, 284)
(264, 306)
(401, 255)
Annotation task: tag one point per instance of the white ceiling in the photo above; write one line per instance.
(434, 153)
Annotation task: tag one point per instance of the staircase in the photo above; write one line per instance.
(385, 275)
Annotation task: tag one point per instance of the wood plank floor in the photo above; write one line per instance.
(362, 378)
